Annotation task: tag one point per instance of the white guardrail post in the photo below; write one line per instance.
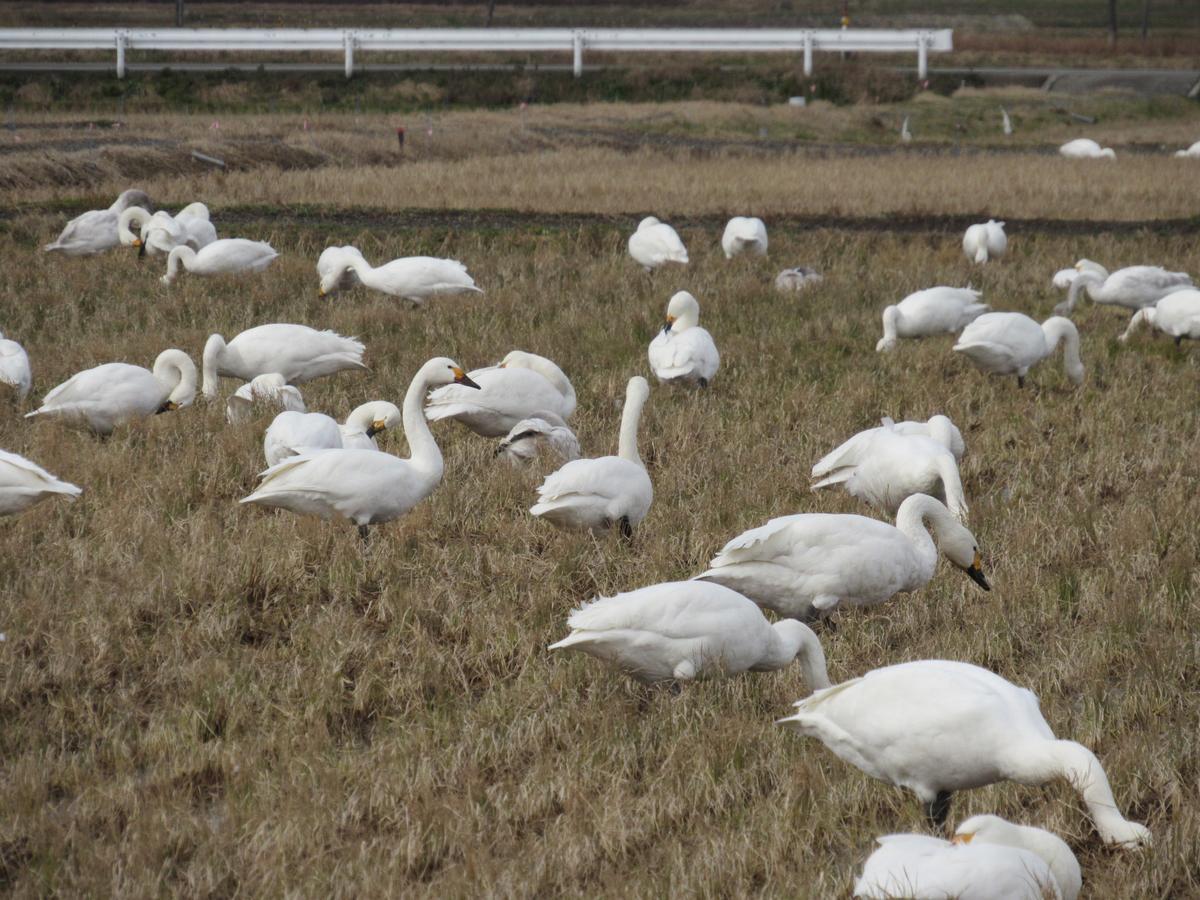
(922, 56)
(808, 51)
(577, 53)
(348, 45)
(121, 38)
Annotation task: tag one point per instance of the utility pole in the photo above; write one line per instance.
(1112, 23)
(178, 13)
(1145, 19)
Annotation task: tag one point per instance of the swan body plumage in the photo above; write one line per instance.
(227, 256)
(655, 244)
(296, 352)
(160, 233)
(1176, 315)
(1132, 287)
(744, 234)
(1086, 148)
(530, 438)
(797, 279)
(683, 630)
(96, 231)
(938, 427)
(936, 727)
(985, 241)
(269, 389)
(24, 483)
(523, 386)
(114, 393)
(935, 310)
(683, 351)
(1011, 343)
(808, 564)
(1192, 151)
(14, 367)
(413, 278)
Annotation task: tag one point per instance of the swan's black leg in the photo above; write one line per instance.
(626, 528)
(1178, 340)
(939, 810)
(364, 532)
(1020, 381)
(703, 382)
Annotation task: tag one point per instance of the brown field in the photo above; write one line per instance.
(213, 700)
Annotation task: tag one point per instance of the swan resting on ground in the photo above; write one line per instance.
(296, 352)
(1176, 315)
(96, 231)
(14, 367)
(160, 233)
(228, 256)
(1193, 151)
(1086, 148)
(655, 244)
(683, 630)
(936, 727)
(808, 564)
(294, 433)
(523, 386)
(683, 351)
(530, 438)
(269, 389)
(412, 278)
(1012, 343)
(797, 279)
(935, 310)
(744, 235)
(24, 484)
(1132, 287)
(985, 241)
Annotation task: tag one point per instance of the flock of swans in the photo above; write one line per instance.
(932, 726)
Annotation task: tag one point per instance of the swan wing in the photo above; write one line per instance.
(20, 474)
(681, 609)
(909, 865)
(603, 478)
(691, 353)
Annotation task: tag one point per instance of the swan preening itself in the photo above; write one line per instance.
(808, 564)
(935, 310)
(160, 232)
(988, 859)
(413, 278)
(1012, 343)
(112, 394)
(744, 235)
(96, 231)
(1086, 148)
(522, 386)
(1176, 315)
(985, 241)
(293, 433)
(797, 279)
(530, 438)
(228, 256)
(24, 484)
(936, 727)
(296, 352)
(365, 486)
(1192, 151)
(690, 629)
(609, 491)
(683, 351)
(263, 391)
(1132, 287)
(655, 244)
(14, 367)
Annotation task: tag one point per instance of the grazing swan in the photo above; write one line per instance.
(935, 310)
(1064, 278)
(270, 389)
(14, 367)
(296, 352)
(96, 231)
(988, 859)
(683, 351)
(689, 629)
(1193, 151)
(335, 271)
(986, 241)
(365, 486)
(228, 256)
(805, 565)
(161, 232)
(24, 484)
(1012, 343)
(940, 428)
(611, 490)
(114, 393)
(1086, 148)
(655, 244)
(797, 279)
(1132, 287)
(936, 727)
(744, 235)
(1177, 315)
(529, 438)
(523, 386)
(889, 466)
(413, 278)
(295, 433)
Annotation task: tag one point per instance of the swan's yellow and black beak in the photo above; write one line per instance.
(377, 426)
(975, 573)
(320, 293)
(169, 406)
(141, 245)
(461, 377)
(670, 322)
(961, 839)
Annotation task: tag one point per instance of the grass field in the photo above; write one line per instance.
(213, 700)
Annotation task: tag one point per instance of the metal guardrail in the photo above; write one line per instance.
(535, 40)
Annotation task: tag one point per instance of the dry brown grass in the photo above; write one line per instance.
(207, 699)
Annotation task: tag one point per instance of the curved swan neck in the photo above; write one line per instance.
(952, 484)
(363, 269)
(1145, 314)
(1058, 329)
(422, 448)
(181, 255)
(795, 640)
(911, 519)
(1085, 279)
(635, 399)
(891, 320)
(134, 215)
(209, 365)
(175, 370)
(361, 417)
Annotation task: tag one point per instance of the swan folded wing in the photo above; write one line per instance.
(116, 384)
(509, 392)
(1146, 282)
(431, 275)
(17, 470)
(690, 352)
(361, 485)
(988, 353)
(603, 478)
(662, 244)
(704, 611)
(850, 453)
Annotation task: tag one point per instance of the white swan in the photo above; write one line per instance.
(611, 490)
(935, 310)
(96, 231)
(110, 395)
(1005, 121)
(1064, 278)
(367, 420)
(744, 234)
(294, 433)
(228, 256)
(797, 279)
(936, 727)
(683, 351)
(1086, 148)
(413, 278)
(523, 386)
(267, 390)
(985, 241)
(24, 484)
(888, 466)
(296, 352)
(14, 367)
(1192, 151)
(938, 427)
(988, 859)
(807, 564)
(161, 232)
(365, 486)
(689, 629)
(905, 134)
(655, 244)
(1132, 287)
(529, 438)
(1012, 343)
(1177, 315)
(334, 269)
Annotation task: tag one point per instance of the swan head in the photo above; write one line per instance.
(375, 416)
(443, 370)
(332, 265)
(887, 343)
(176, 367)
(683, 312)
(1108, 153)
(132, 197)
(960, 547)
(1052, 849)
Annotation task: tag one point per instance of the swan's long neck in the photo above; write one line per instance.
(1145, 314)
(1058, 329)
(177, 374)
(627, 448)
(952, 484)
(134, 215)
(423, 449)
(910, 521)
(810, 654)
(209, 365)
(181, 255)
(1085, 279)
(891, 321)
(363, 269)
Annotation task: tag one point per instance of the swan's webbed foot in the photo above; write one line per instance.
(939, 810)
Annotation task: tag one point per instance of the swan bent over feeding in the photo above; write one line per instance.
(523, 386)
(294, 433)
(96, 231)
(689, 629)
(296, 352)
(365, 486)
(600, 493)
(270, 389)
(1177, 315)
(939, 427)
(655, 244)
(935, 310)
(24, 484)
(1132, 287)
(1193, 151)
(160, 233)
(744, 235)
(806, 565)
(529, 438)
(1086, 148)
(797, 279)
(985, 241)
(936, 727)
(112, 394)
(228, 256)
(14, 367)
(1012, 343)
(412, 278)
(683, 351)
(988, 859)
(334, 269)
